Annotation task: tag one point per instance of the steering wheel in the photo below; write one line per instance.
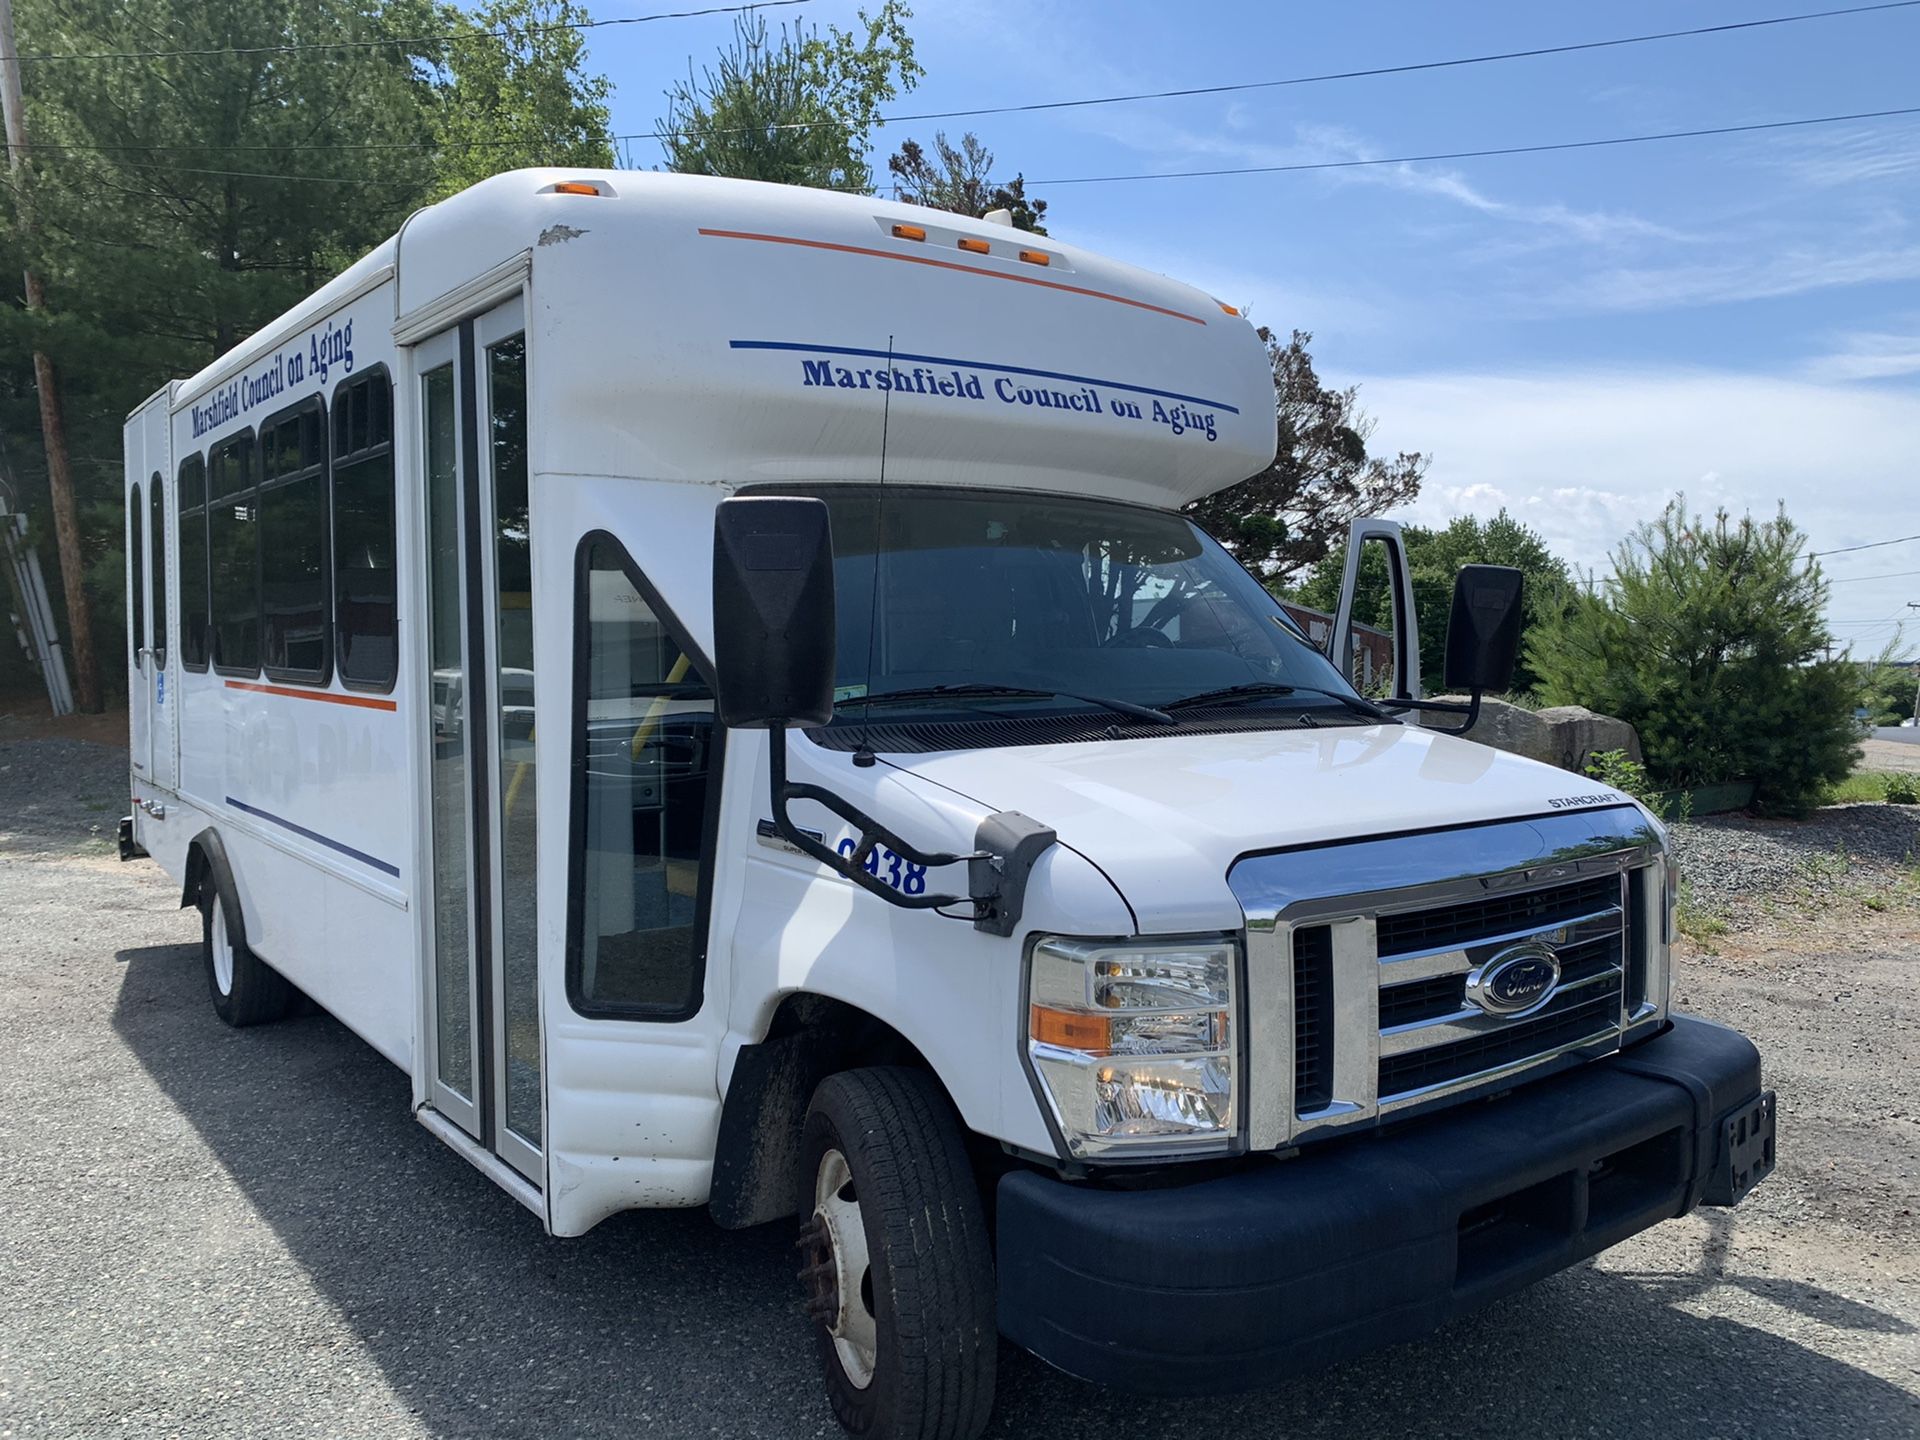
(1142, 639)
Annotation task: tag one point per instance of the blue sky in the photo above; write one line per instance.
(1574, 335)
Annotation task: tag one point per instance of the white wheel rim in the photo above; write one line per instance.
(855, 1332)
(222, 951)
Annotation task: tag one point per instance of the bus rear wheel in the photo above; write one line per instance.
(894, 1259)
(245, 989)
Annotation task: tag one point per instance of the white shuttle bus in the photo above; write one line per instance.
(713, 680)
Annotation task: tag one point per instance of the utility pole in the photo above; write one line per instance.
(53, 429)
(1911, 605)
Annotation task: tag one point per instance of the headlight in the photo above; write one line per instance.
(1133, 1043)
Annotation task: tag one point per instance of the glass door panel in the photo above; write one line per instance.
(455, 1052)
(483, 780)
(503, 350)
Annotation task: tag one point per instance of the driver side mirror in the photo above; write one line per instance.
(773, 620)
(1483, 632)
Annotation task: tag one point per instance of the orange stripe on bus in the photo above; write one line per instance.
(952, 265)
(364, 702)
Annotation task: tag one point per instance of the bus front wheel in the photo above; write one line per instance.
(894, 1258)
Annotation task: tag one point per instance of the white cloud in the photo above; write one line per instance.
(1584, 456)
(1868, 355)
(1747, 273)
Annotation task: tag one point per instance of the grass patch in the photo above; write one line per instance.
(1860, 786)
(1699, 924)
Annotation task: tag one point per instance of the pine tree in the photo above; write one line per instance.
(1710, 639)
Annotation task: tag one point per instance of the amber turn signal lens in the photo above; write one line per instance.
(1071, 1030)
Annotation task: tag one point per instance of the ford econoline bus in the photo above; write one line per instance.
(715, 681)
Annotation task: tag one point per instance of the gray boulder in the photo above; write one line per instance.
(1563, 735)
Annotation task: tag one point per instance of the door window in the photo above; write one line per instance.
(137, 585)
(645, 780)
(453, 998)
(157, 507)
(506, 377)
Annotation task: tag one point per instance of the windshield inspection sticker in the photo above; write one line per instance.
(1580, 802)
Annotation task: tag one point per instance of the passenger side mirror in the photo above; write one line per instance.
(773, 621)
(1483, 633)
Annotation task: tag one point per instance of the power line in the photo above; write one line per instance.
(1481, 154)
(1248, 170)
(1321, 78)
(1363, 74)
(1882, 575)
(1870, 545)
(422, 39)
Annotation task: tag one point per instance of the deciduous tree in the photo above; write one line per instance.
(796, 109)
(959, 179)
(1434, 558)
(1291, 514)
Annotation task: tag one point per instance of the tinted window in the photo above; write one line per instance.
(193, 563)
(1002, 588)
(157, 507)
(363, 540)
(137, 584)
(644, 773)
(233, 547)
(293, 542)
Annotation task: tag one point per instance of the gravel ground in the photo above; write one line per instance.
(215, 1233)
(1747, 872)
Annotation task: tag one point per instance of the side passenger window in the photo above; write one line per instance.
(364, 587)
(645, 763)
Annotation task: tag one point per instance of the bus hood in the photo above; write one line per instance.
(1165, 818)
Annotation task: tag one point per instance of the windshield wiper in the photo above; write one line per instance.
(1260, 689)
(1015, 692)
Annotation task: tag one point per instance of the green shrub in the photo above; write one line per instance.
(1709, 640)
(1903, 789)
(1624, 773)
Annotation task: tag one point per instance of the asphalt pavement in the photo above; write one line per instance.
(207, 1232)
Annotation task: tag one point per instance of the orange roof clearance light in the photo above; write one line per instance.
(1226, 308)
(909, 232)
(973, 246)
(1036, 257)
(576, 187)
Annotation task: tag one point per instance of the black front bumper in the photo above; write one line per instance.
(1238, 1282)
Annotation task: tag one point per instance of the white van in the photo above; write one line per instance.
(714, 681)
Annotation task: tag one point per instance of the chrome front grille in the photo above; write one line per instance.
(1359, 1003)
(1431, 1036)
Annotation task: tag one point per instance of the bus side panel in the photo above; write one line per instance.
(310, 786)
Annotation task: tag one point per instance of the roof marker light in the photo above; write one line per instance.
(909, 232)
(973, 246)
(1036, 257)
(1228, 309)
(576, 187)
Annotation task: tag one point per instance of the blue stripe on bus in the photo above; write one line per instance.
(315, 835)
(982, 365)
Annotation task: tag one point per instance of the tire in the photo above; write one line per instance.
(881, 1154)
(245, 989)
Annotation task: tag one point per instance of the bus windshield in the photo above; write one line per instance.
(1068, 598)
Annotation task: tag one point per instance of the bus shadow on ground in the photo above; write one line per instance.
(660, 1322)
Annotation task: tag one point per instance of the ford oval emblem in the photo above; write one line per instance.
(1517, 980)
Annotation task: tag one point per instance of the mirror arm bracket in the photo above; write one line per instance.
(872, 832)
(1445, 707)
(1010, 845)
